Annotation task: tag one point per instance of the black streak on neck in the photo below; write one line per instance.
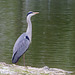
(27, 37)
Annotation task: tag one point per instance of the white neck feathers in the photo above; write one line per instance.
(29, 28)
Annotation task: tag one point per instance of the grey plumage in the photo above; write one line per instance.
(20, 47)
(23, 42)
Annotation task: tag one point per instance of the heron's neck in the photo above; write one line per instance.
(29, 28)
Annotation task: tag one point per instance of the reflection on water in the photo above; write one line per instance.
(53, 32)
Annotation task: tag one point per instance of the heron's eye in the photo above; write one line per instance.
(29, 13)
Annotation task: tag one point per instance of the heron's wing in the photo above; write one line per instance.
(20, 47)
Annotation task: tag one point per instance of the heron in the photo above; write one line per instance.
(23, 42)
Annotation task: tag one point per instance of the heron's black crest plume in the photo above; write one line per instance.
(29, 12)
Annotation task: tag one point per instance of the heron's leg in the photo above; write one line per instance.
(24, 58)
(16, 63)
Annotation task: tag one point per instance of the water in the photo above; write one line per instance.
(53, 32)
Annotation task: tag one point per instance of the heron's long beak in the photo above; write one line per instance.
(36, 12)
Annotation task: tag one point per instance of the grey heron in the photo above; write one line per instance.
(23, 42)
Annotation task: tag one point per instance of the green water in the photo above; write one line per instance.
(53, 41)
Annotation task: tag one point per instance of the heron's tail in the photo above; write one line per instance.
(15, 58)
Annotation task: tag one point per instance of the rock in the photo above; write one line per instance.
(12, 69)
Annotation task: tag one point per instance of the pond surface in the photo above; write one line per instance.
(53, 41)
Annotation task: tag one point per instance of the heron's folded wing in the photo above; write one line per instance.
(20, 47)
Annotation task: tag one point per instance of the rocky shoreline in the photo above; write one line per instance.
(12, 69)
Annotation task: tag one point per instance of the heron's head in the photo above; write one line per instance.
(31, 13)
